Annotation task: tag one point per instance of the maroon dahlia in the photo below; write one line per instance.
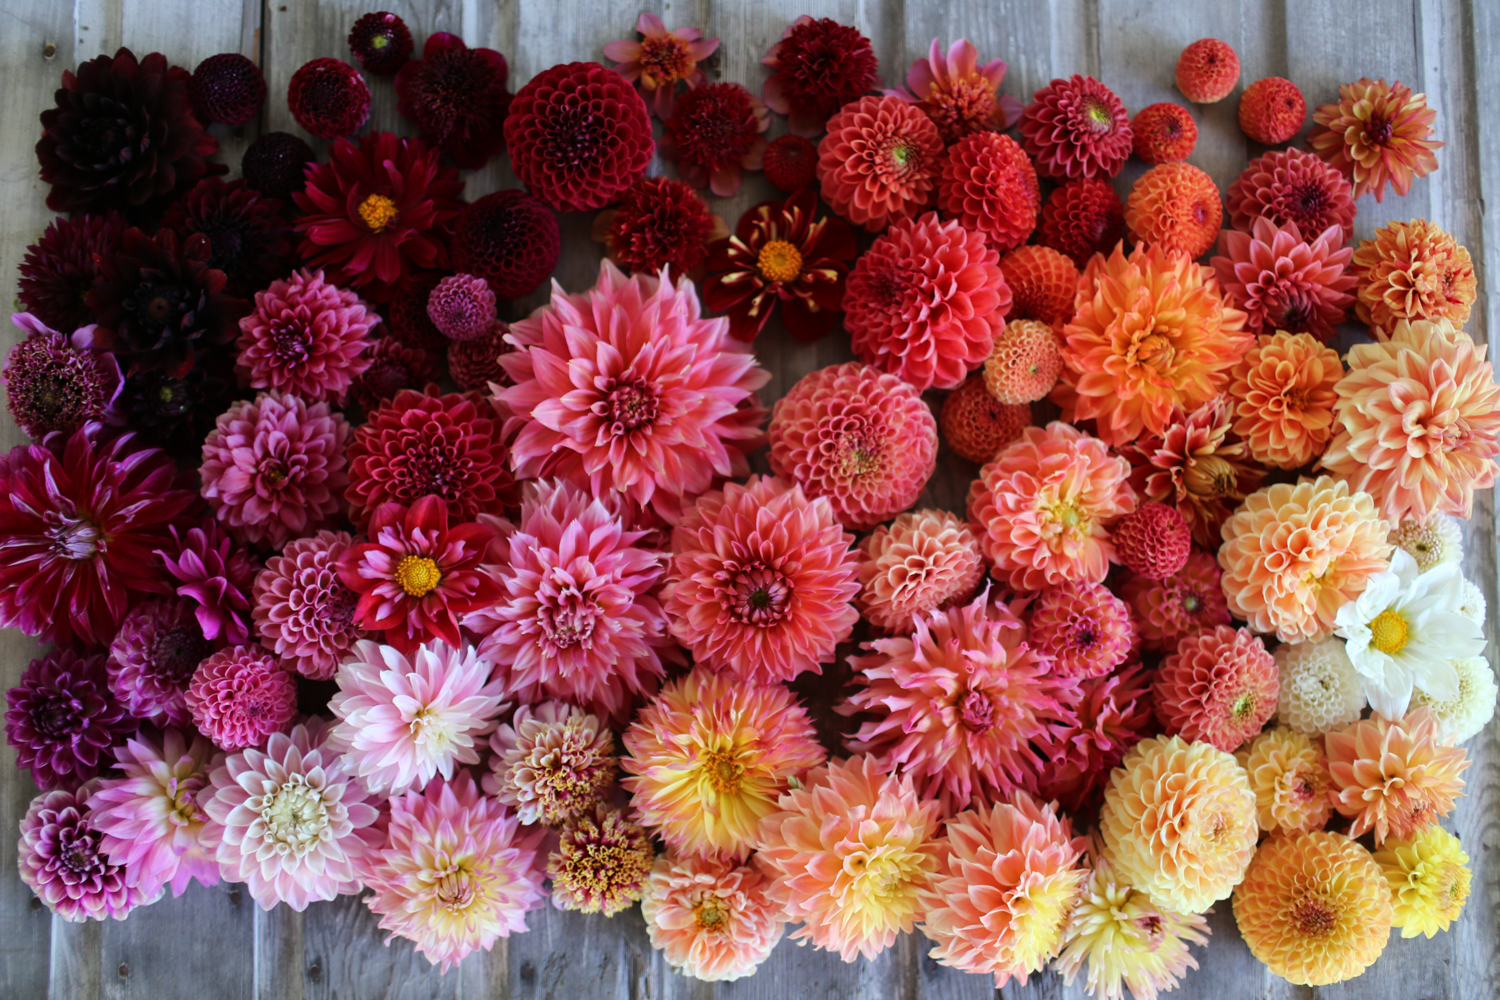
(62, 719)
(393, 366)
(790, 163)
(228, 88)
(508, 238)
(715, 135)
(381, 42)
(474, 364)
(407, 313)
(175, 413)
(247, 235)
(659, 222)
(457, 97)
(817, 68)
(329, 98)
(56, 382)
(61, 267)
(275, 164)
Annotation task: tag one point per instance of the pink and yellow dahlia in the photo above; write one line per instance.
(959, 95)
(1394, 777)
(711, 918)
(661, 60)
(1081, 629)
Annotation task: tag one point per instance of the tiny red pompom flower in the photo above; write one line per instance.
(228, 88)
(1272, 110)
(1153, 540)
(1207, 71)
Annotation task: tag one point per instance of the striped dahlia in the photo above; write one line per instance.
(600, 864)
(62, 860)
(552, 762)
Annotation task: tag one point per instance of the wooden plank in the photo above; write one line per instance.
(74, 972)
(278, 954)
(198, 944)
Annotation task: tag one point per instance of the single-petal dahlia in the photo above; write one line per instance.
(176, 414)
(152, 660)
(926, 302)
(1076, 128)
(1043, 284)
(1025, 362)
(61, 266)
(79, 519)
(659, 222)
(1179, 822)
(1314, 908)
(208, 568)
(600, 864)
(1083, 217)
(1433, 541)
(62, 860)
(924, 561)
(861, 438)
(456, 97)
(381, 43)
(790, 163)
(1007, 879)
(976, 425)
(711, 918)
(1413, 271)
(578, 135)
(307, 337)
(1152, 335)
(1417, 421)
(302, 610)
(1466, 714)
(1319, 690)
(1163, 133)
(455, 871)
(552, 763)
(1188, 601)
(123, 135)
(1175, 207)
(394, 366)
(1289, 775)
(1153, 540)
(780, 252)
(661, 60)
(989, 185)
(62, 718)
(849, 853)
(1080, 629)
(273, 469)
(879, 161)
(1377, 134)
(1219, 686)
(1394, 777)
(760, 580)
(55, 382)
(275, 165)
(241, 695)
(1284, 280)
(1043, 507)
(628, 389)
(1290, 185)
(402, 721)
(574, 618)
(715, 134)
(1429, 881)
(247, 235)
(151, 820)
(329, 98)
(1207, 71)
(817, 67)
(957, 705)
(375, 211)
(475, 364)
(959, 95)
(1283, 397)
(1113, 714)
(1272, 110)
(508, 238)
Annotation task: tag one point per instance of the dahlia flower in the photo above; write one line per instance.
(1188, 601)
(1319, 689)
(508, 238)
(1043, 284)
(1206, 73)
(306, 337)
(1272, 110)
(1175, 207)
(152, 659)
(661, 60)
(56, 382)
(1283, 398)
(709, 756)
(241, 695)
(879, 161)
(1429, 881)
(600, 864)
(474, 364)
(381, 43)
(457, 97)
(1473, 605)
(790, 163)
(817, 67)
(921, 562)
(1113, 714)
(1291, 185)
(666, 403)
(975, 425)
(1076, 128)
(711, 918)
(551, 763)
(1024, 363)
(402, 721)
(1163, 133)
(1377, 134)
(328, 98)
(62, 719)
(1153, 541)
(1080, 629)
(247, 233)
(176, 414)
(302, 611)
(60, 267)
(1412, 271)
(1284, 280)
(216, 575)
(275, 163)
(989, 185)
(959, 95)
(715, 134)
(1219, 687)
(1466, 714)
(1082, 217)
(1432, 541)
(849, 853)
(62, 860)
(1394, 777)
(659, 222)
(1289, 775)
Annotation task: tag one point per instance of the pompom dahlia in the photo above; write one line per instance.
(664, 400)
(1377, 134)
(241, 695)
(959, 95)
(1153, 540)
(1394, 777)
(1219, 686)
(393, 366)
(1289, 775)
(552, 763)
(1188, 601)
(1433, 541)
(1319, 691)
(1080, 629)
(600, 864)
(1083, 217)
(1291, 185)
(54, 382)
(456, 97)
(849, 853)
(381, 42)
(247, 234)
(1283, 397)
(879, 161)
(711, 918)
(60, 267)
(306, 337)
(1412, 271)
(302, 610)
(474, 364)
(659, 222)
(62, 860)
(1207, 71)
(1076, 128)
(976, 425)
(923, 561)
(1113, 714)
(1464, 716)
(210, 570)
(275, 164)
(508, 238)
(1163, 133)
(1044, 505)
(661, 60)
(328, 98)
(1043, 284)
(715, 135)
(709, 756)
(1272, 110)
(1025, 362)
(926, 302)
(817, 67)
(989, 185)
(401, 721)
(1285, 281)
(62, 718)
(1429, 881)
(152, 659)
(790, 163)
(1175, 207)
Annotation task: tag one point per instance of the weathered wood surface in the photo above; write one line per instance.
(215, 943)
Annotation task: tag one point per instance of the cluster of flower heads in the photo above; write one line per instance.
(284, 433)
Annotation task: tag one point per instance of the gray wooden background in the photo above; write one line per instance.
(216, 944)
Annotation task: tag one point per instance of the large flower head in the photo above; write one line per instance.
(990, 186)
(306, 336)
(958, 94)
(247, 233)
(1429, 880)
(58, 382)
(711, 918)
(879, 162)
(817, 67)
(1320, 690)
(1282, 398)
(152, 659)
(552, 763)
(1076, 128)
(1412, 270)
(1377, 134)
(62, 860)
(661, 222)
(922, 561)
(302, 610)
(661, 60)
(60, 267)
(1219, 686)
(1394, 777)
(1289, 775)
(62, 718)
(1287, 279)
(1188, 601)
(1113, 714)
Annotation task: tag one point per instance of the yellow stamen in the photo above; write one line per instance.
(1388, 632)
(418, 575)
(377, 211)
(780, 261)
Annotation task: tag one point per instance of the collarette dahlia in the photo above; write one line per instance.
(62, 719)
(1219, 686)
(817, 67)
(61, 266)
(1285, 280)
(63, 862)
(152, 659)
(302, 610)
(1377, 134)
(1283, 397)
(56, 382)
(1394, 777)
(879, 161)
(207, 567)
(1289, 775)
(711, 918)
(1113, 714)
(923, 561)
(661, 60)
(1185, 602)
(660, 222)
(601, 863)
(247, 234)
(1412, 271)
(1320, 691)
(1429, 881)
(240, 696)
(307, 337)
(456, 96)
(959, 95)
(715, 135)
(1292, 185)
(1076, 128)
(551, 763)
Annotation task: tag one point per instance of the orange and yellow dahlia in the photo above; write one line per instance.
(1394, 777)
(1283, 398)
(1412, 270)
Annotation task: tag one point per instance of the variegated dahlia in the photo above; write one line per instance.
(1113, 714)
(1219, 686)
(241, 695)
(600, 864)
(302, 611)
(552, 762)
(959, 95)
(1289, 775)
(152, 659)
(1320, 691)
(58, 382)
(879, 162)
(1394, 777)
(1284, 279)
(711, 918)
(661, 60)
(1188, 601)
(62, 860)
(1377, 134)
(1412, 271)
(1429, 881)
(1292, 185)
(307, 337)
(1175, 207)
(1081, 629)
(989, 185)
(1076, 128)
(1283, 397)
(921, 562)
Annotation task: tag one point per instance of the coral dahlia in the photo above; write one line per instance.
(1025, 362)
(976, 425)
(306, 337)
(456, 97)
(600, 864)
(1175, 207)
(55, 382)
(1283, 393)
(302, 610)
(959, 95)
(1394, 777)
(1185, 602)
(1219, 686)
(817, 67)
(989, 185)
(1377, 134)
(1291, 185)
(1080, 629)
(1076, 128)
(1207, 71)
(1163, 133)
(711, 918)
(241, 695)
(1043, 284)
(1272, 110)
(1412, 271)
(552, 763)
(62, 860)
(921, 562)
(1284, 280)
(715, 134)
(62, 718)
(659, 222)
(661, 60)
(1153, 540)
(152, 660)
(1083, 217)
(879, 161)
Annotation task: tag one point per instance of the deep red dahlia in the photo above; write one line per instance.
(816, 68)
(216, 574)
(578, 134)
(381, 42)
(393, 366)
(275, 164)
(377, 210)
(175, 413)
(228, 88)
(247, 235)
(329, 98)
(62, 719)
(1082, 218)
(715, 134)
(408, 317)
(989, 185)
(474, 364)
(1076, 128)
(659, 222)
(790, 163)
(457, 97)
(61, 267)
(57, 383)
(508, 238)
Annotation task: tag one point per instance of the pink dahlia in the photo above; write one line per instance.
(153, 657)
(601, 862)
(58, 382)
(879, 161)
(861, 438)
(302, 610)
(62, 719)
(216, 575)
(461, 306)
(151, 820)
(926, 302)
(241, 695)
(402, 721)
(990, 186)
(628, 389)
(63, 861)
(1081, 629)
(1283, 281)
(551, 763)
(1188, 601)
(760, 580)
(1292, 185)
(1113, 714)
(575, 618)
(661, 60)
(290, 821)
(306, 337)
(957, 704)
(1043, 507)
(711, 918)
(921, 562)
(1077, 128)
(273, 469)
(1219, 687)
(959, 95)
(455, 871)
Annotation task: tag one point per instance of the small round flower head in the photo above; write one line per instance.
(1185, 602)
(1320, 690)
(62, 718)
(329, 98)
(1377, 133)
(461, 306)
(1207, 71)
(273, 164)
(1272, 110)
(976, 425)
(153, 657)
(457, 98)
(1394, 777)
(1436, 541)
(1164, 133)
(1043, 284)
(381, 42)
(62, 860)
(1289, 775)
(1153, 540)
(302, 610)
(1076, 128)
(1472, 604)
(1220, 686)
(552, 763)
(1175, 206)
(1429, 880)
(228, 88)
(600, 864)
(1083, 217)
(241, 695)
(1025, 362)
(1081, 628)
(711, 918)
(989, 185)
(790, 163)
(1463, 717)
(921, 562)
(1292, 185)
(58, 383)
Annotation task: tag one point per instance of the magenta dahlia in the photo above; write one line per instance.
(307, 337)
(1076, 128)
(817, 67)
(716, 132)
(55, 382)
(241, 695)
(456, 96)
(461, 306)
(60, 267)
(247, 235)
(1292, 185)
(393, 366)
(508, 238)
(1081, 629)
(1113, 714)
(63, 861)
(62, 718)
(215, 574)
(152, 659)
(1283, 280)
(302, 610)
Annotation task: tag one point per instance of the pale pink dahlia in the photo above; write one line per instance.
(958, 94)
(627, 389)
(306, 337)
(552, 763)
(401, 721)
(302, 610)
(241, 695)
(760, 580)
(575, 618)
(1081, 629)
(861, 438)
(920, 562)
(1285, 280)
(62, 860)
(711, 918)
(1114, 713)
(152, 659)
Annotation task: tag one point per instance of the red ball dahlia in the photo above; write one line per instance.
(62, 718)
(1188, 601)
(1175, 207)
(475, 364)
(275, 164)
(306, 337)
(152, 659)
(58, 383)
(659, 222)
(302, 611)
(779, 253)
(1377, 134)
(60, 268)
(1220, 687)
(381, 42)
(715, 134)
(1081, 218)
(461, 306)
(375, 211)
(1207, 71)
(228, 88)
(790, 163)
(1076, 128)
(508, 238)
(1272, 110)
(329, 98)
(209, 569)
(958, 94)
(240, 696)
(1164, 133)
(816, 68)
(1043, 285)
(990, 186)
(393, 367)
(247, 236)
(1290, 185)
(578, 135)
(456, 96)
(1153, 540)
(1080, 629)
(1114, 713)
(976, 425)
(1285, 280)
(661, 60)
(879, 161)
(926, 302)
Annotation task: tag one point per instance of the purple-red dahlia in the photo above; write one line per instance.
(174, 413)
(62, 861)
(58, 383)
(329, 98)
(381, 42)
(152, 659)
(661, 60)
(227, 88)
(306, 337)
(659, 222)
(275, 164)
(1077, 128)
(303, 612)
(247, 236)
(216, 575)
(62, 719)
(816, 68)
(393, 366)
(508, 238)
(60, 268)
(461, 306)
(457, 97)
(715, 134)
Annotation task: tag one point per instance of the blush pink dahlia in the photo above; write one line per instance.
(62, 719)
(1081, 629)
(306, 337)
(879, 161)
(302, 610)
(919, 563)
(152, 659)
(1219, 687)
(63, 862)
(1185, 602)
(1285, 281)
(241, 695)
(711, 918)
(958, 94)
(216, 575)
(552, 763)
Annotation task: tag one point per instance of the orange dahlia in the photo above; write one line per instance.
(1283, 396)
(1025, 362)
(1377, 134)
(976, 425)
(710, 917)
(1175, 206)
(1289, 775)
(879, 161)
(1043, 284)
(1412, 270)
(922, 561)
(1152, 334)
(1394, 777)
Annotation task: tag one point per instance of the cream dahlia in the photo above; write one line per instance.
(1432, 541)
(1394, 777)
(711, 918)
(1320, 690)
(1282, 398)
(1464, 716)
(552, 762)
(1286, 279)
(921, 562)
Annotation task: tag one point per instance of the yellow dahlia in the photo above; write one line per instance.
(1377, 133)
(1412, 270)
(1179, 822)
(1314, 908)
(1283, 398)
(1394, 777)
(1289, 776)
(1429, 880)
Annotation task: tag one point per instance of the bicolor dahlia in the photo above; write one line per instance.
(209, 569)
(1283, 397)
(247, 234)
(1188, 601)
(923, 561)
(1025, 362)
(275, 164)
(1219, 686)
(711, 918)
(959, 95)
(1175, 207)
(1377, 134)
(709, 756)
(1113, 714)
(1044, 505)
(55, 382)
(849, 854)
(381, 42)
(664, 400)
(508, 238)
(976, 425)
(659, 222)
(1292, 185)
(1082, 217)
(780, 252)
(401, 721)
(1153, 540)
(600, 864)
(455, 871)
(1207, 71)
(1412, 271)
(760, 580)
(1289, 775)
(241, 695)
(879, 162)
(375, 211)
(1076, 128)
(715, 134)
(661, 60)
(1272, 110)
(456, 97)
(1179, 822)
(302, 610)
(306, 337)
(1433, 541)
(475, 364)
(817, 67)
(1163, 133)
(1043, 284)
(1080, 629)
(328, 98)
(61, 266)
(989, 185)
(1293, 554)
(62, 718)
(1394, 777)
(1467, 713)
(152, 659)
(393, 366)
(1417, 417)
(62, 860)
(1284, 281)
(1320, 691)
(1429, 881)
(552, 763)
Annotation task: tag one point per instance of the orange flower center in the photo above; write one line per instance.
(1313, 917)
(1388, 632)
(418, 575)
(723, 771)
(377, 211)
(711, 917)
(779, 261)
(665, 61)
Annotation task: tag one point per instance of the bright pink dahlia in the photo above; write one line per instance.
(79, 519)
(990, 186)
(628, 389)
(861, 438)
(1188, 601)
(62, 719)
(879, 161)
(215, 574)
(1081, 629)
(306, 337)
(926, 302)
(1219, 687)
(1077, 128)
(760, 580)
(241, 695)
(711, 918)
(661, 60)
(153, 657)
(63, 862)
(575, 619)
(1114, 713)
(1283, 281)
(715, 134)
(302, 610)
(959, 95)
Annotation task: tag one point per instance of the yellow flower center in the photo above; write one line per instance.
(1071, 517)
(418, 575)
(723, 771)
(1388, 632)
(710, 917)
(780, 261)
(377, 211)
(1209, 477)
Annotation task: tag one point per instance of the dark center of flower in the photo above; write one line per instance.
(78, 850)
(723, 772)
(226, 242)
(159, 308)
(976, 711)
(59, 716)
(339, 607)
(1209, 477)
(759, 596)
(273, 472)
(176, 653)
(291, 342)
(1084, 637)
(431, 468)
(1308, 200)
(377, 212)
(630, 403)
(780, 262)
(575, 136)
(74, 537)
(1378, 131)
(664, 61)
(109, 134)
(1313, 917)
(1096, 115)
(417, 575)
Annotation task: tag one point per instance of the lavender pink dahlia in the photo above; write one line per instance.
(551, 763)
(62, 719)
(241, 695)
(302, 610)
(307, 337)
(62, 861)
(153, 657)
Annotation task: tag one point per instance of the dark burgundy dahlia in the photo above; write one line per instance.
(61, 267)
(62, 719)
(124, 136)
(228, 88)
(329, 98)
(247, 236)
(457, 97)
(58, 382)
(381, 42)
(817, 68)
(176, 413)
(508, 238)
(659, 222)
(275, 164)
(393, 366)
(407, 314)
(715, 135)
(474, 364)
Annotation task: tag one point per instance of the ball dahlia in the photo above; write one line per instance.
(456, 97)
(711, 918)
(1218, 687)
(62, 860)
(715, 134)
(661, 60)
(247, 233)
(1188, 601)
(241, 695)
(1291, 185)
(208, 568)
(55, 382)
(301, 609)
(600, 864)
(1272, 110)
(923, 561)
(1113, 714)
(1207, 71)
(790, 163)
(988, 184)
(1436, 540)
(552, 763)
(328, 98)
(879, 161)
(1394, 777)
(306, 337)
(508, 238)
(1320, 691)
(1429, 881)
(817, 67)
(1025, 362)
(1080, 629)
(976, 425)
(1283, 280)
(1163, 133)
(461, 306)
(1412, 271)
(1289, 775)
(275, 164)
(1083, 217)
(62, 718)
(1377, 134)
(1043, 284)
(660, 222)
(1283, 398)
(959, 95)
(474, 364)
(380, 42)
(1175, 207)
(152, 659)
(60, 267)
(1076, 128)
(1469, 711)
(1153, 540)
